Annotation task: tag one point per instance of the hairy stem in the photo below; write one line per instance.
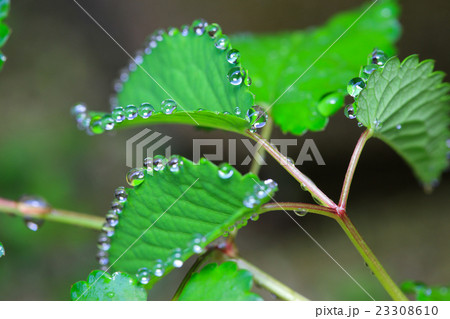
(305, 182)
(265, 134)
(309, 208)
(57, 215)
(352, 166)
(269, 283)
(373, 263)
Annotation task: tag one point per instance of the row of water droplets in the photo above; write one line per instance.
(253, 199)
(376, 60)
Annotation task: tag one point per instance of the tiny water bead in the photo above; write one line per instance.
(378, 57)
(198, 26)
(222, 43)
(173, 31)
(236, 76)
(174, 163)
(261, 120)
(148, 164)
(254, 217)
(145, 110)
(102, 258)
(398, 127)
(96, 126)
(168, 106)
(131, 112)
(107, 122)
(121, 194)
(225, 171)
(118, 114)
(135, 176)
(237, 110)
(250, 201)
(78, 109)
(116, 206)
(103, 242)
(301, 212)
(143, 276)
(176, 257)
(2, 250)
(159, 163)
(112, 219)
(367, 70)
(233, 56)
(158, 269)
(108, 229)
(184, 30)
(214, 30)
(355, 86)
(349, 112)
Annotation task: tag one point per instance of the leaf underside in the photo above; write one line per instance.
(189, 69)
(276, 61)
(407, 106)
(178, 213)
(4, 29)
(425, 293)
(101, 286)
(223, 282)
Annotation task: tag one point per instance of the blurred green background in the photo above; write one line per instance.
(57, 57)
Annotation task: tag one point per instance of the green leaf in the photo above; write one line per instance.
(426, 293)
(4, 29)
(101, 286)
(407, 106)
(186, 68)
(276, 61)
(174, 211)
(220, 283)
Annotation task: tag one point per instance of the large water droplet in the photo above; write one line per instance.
(135, 176)
(168, 106)
(118, 114)
(214, 30)
(225, 171)
(236, 75)
(260, 120)
(131, 112)
(330, 103)
(222, 43)
(355, 86)
(143, 276)
(349, 112)
(233, 56)
(145, 110)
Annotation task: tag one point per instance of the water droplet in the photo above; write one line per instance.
(77, 109)
(103, 242)
(254, 217)
(355, 86)
(107, 122)
(360, 124)
(112, 219)
(349, 112)
(198, 26)
(143, 276)
(148, 164)
(301, 212)
(111, 294)
(222, 43)
(2, 250)
(145, 110)
(378, 57)
(108, 229)
(250, 201)
(330, 103)
(214, 30)
(95, 125)
(121, 194)
(236, 75)
(173, 31)
(131, 112)
(176, 257)
(237, 111)
(197, 249)
(168, 106)
(174, 163)
(233, 56)
(118, 114)
(368, 70)
(377, 124)
(118, 86)
(184, 30)
(159, 162)
(225, 171)
(398, 127)
(102, 257)
(252, 115)
(135, 176)
(248, 79)
(116, 205)
(260, 120)
(158, 269)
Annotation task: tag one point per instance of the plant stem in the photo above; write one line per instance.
(310, 208)
(304, 181)
(57, 215)
(373, 263)
(352, 166)
(269, 283)
(265, 134)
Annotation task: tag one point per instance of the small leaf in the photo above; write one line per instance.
(220, 283)
(425, 293)
(183, 76)
(276, 61)
(101, 286)
(173, 212)
(4, 29)
(407, 106)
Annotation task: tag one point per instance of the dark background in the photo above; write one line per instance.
(57, 57)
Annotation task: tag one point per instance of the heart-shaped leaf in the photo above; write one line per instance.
(101, 286)
(175, 209)
(299, 77)
(223, 282)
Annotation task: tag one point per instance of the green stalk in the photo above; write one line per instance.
(56, 215)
